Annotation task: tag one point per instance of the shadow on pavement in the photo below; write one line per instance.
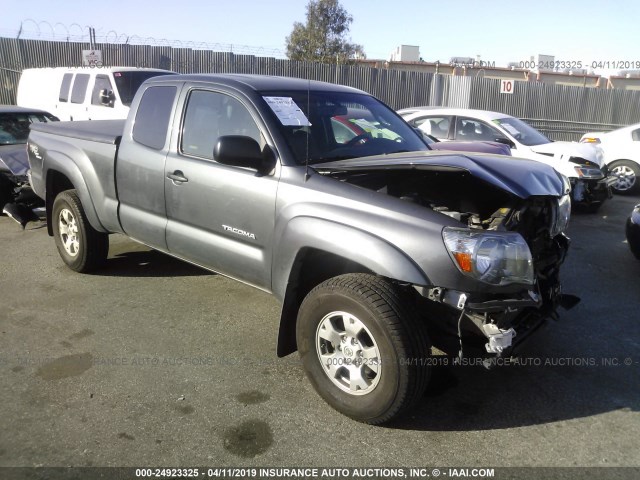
(148, 263)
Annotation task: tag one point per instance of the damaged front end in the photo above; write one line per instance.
(592, 184)
(17, 198)
(525, 253)
(507, 248)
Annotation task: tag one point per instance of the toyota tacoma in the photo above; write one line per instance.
(379, 250)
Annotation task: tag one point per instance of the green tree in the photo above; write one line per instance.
(324, 37)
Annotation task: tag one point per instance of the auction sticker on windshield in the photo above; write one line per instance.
(287, 111)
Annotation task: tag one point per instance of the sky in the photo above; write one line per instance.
(498, 31)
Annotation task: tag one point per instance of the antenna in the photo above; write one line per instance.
(306, 170)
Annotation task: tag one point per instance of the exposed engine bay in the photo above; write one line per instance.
(459, 195)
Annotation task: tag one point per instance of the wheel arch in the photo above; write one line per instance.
(306, 259)
(632, 160)
(61, 176)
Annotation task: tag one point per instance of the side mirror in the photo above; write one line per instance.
(242, 151)
(505, 141)
(106, 97)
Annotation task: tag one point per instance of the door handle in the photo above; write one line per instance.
(177, 177)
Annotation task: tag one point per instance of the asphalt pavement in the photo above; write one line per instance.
(154, 362)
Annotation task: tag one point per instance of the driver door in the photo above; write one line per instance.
(219, 216)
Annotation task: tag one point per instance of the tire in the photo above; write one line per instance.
(81, 247)
(628, 174)
(374, 349)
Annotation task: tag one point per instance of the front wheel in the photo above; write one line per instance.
(628, 177)
(363, 347)
(81, 246)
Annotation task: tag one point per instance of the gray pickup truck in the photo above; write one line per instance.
(378, 248)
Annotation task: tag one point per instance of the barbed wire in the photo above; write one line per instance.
(43, 30)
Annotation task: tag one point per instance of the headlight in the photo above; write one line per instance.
(496, 258)
(586, 172)
(563, 214)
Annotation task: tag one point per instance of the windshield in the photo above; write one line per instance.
(521, 131)
(327, 126)
(14, 126)
(129, 82)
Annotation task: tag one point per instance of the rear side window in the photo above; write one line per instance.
(434, 126)
(635, 135)
(102, 83)
(469, 129)
(64, 87)
(153, 116)
(79, 90)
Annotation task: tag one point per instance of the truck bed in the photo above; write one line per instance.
(101, 131)
(92, 147)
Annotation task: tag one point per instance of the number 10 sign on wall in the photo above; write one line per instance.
(506, 86)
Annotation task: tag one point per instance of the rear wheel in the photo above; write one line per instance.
(81, 247)
(628, 175)
(363, 347)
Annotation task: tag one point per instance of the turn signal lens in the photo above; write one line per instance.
(464, 261)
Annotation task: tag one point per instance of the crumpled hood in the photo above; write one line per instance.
(566, 150)
(520, 177)
(14, 158)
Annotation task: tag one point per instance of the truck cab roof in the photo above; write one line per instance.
(257, 82)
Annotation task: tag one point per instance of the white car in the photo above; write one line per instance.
(621, 150)
(581, 162)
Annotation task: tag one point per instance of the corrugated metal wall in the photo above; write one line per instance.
(562, 112)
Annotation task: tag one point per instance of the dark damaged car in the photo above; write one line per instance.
(16, 197)
(377, 248)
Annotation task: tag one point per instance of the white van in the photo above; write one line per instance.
(83, 93)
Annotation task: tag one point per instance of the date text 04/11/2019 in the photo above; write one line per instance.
(580, 64)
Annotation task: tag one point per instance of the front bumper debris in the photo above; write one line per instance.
(499, 339)
(25, 206)
(588, 192)
(482, 325)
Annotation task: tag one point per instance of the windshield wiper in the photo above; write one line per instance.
(400, 151)
(332, 158)
(335, 158)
